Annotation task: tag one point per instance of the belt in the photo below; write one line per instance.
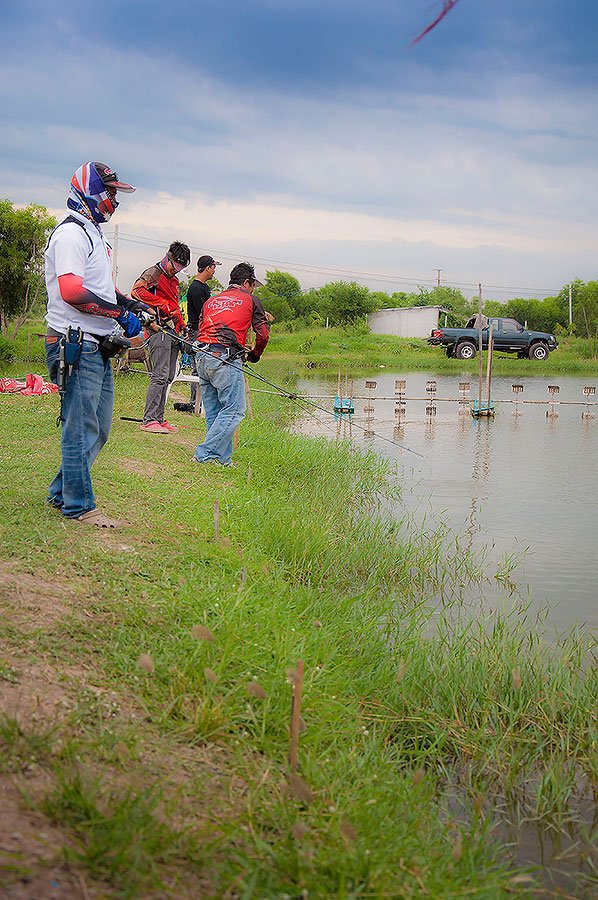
(215, 349)
(52, 336)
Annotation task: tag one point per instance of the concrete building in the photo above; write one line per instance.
(411, 321)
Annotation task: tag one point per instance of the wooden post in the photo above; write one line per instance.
(489, 364)
(481, 366)
(248, 397)
(297, 686)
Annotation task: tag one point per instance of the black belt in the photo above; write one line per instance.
(215, 349)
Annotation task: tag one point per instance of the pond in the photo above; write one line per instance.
(521, 488)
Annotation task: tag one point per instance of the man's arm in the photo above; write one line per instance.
(259, 323)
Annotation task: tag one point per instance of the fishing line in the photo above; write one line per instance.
(195, 348)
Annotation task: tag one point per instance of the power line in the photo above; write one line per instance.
(326, 270)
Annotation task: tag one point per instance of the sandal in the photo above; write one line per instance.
(95, 517)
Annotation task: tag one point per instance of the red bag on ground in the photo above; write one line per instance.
(11, 386)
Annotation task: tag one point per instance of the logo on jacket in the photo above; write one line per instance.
(221, 304)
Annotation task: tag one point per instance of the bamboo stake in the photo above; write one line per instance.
(297, 686)
(216, 518)
(481, 365)
(489, 364)
(248, 397)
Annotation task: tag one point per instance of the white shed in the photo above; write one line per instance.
(409, 321)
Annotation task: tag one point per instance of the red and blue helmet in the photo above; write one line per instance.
(93, 191)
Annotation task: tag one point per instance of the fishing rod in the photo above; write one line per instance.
(194, 347)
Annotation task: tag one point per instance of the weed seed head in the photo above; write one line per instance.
(202, 632)
(300, 789)
(256, 690)
(146, 663)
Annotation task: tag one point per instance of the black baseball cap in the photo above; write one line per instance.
(204, 261)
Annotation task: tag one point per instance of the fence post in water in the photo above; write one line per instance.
(370, 386)
(489, 365)
(464, 388)
(296, 679)
(517, 389)
(431, 390)
(553, 390)
(480, 368)
(588, 392)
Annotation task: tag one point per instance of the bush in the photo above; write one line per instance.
(7, 350)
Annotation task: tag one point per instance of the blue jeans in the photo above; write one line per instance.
(87, 415)
(223, 395)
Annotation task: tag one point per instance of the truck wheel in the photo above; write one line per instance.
(538, 350)
(465, 350)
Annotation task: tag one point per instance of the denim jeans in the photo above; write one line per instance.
(87, 415)
(223, 395)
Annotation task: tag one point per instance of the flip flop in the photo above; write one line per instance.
(95, 517)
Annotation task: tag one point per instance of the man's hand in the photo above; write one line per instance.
(252, 357)
(146, 316)
(129, 323)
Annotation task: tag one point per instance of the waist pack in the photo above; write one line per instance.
(113, 345)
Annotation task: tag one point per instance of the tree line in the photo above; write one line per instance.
(24, 233)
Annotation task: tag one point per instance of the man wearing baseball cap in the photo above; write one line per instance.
(225, 322)
(197, 294)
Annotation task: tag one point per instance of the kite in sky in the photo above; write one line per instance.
(447, 5)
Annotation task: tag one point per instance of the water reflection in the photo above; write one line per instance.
(522, 485)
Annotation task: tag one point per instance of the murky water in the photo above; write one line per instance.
(523, 485)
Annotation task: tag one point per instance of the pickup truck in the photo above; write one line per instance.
(508, 336)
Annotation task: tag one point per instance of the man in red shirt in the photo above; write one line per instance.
(158, 286)
(226, 319)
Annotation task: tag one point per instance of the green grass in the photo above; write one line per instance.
(353, 348)
(350, 348)
(401, 705)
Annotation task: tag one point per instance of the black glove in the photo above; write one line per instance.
(252, 357)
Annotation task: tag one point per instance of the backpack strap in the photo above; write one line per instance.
(80, 224)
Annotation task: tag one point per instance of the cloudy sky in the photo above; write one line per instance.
(309, 135)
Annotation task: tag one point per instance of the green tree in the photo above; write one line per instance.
(282, 295)
(585, 309)
(540, 315)
(23, 237)
(344, 302)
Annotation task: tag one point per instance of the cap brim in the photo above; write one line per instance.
(258, 283)
(121, 186)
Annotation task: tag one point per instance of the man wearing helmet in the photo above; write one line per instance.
(83, 315)
(158, 286)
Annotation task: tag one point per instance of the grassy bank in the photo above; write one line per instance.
(353, 349)
(144, 677)
(350, 348)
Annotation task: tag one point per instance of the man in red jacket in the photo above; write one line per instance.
(226, 319)
(158, 286)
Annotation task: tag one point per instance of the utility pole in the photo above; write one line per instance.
(570, 305)
(115, 257)
(438, 271)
